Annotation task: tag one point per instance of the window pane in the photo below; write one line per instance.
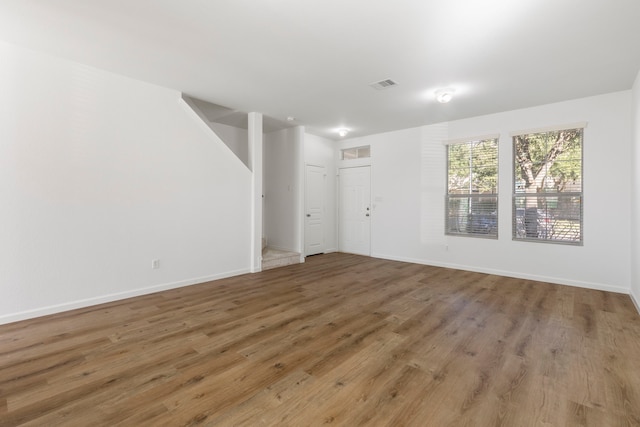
(457, 215)
(364, 152)
(349, 153)
(484, 167)
(548, 218)
(459, 173)
(472, 215)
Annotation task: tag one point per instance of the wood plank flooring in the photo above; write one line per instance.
(339, 340)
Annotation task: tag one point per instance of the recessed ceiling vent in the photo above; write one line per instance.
(384, 84)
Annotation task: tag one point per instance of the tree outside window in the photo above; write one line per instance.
(547, 198)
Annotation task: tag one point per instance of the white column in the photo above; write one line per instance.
(255, 163)
(300, 185)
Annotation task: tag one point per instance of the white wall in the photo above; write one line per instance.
(320, 151)
(100, 174)
(283, 189)
(408, 188)
(256, 162)
(635, 196)
(235, 138)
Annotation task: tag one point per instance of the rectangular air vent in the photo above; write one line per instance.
(383, 84)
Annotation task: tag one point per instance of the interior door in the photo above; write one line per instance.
(355, 210)
(314, 210)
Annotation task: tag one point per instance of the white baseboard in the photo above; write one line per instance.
(514, 274)
(44, 311)
(636, 301)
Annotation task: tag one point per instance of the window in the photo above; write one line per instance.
(472, 189)
(356, 153)
(547, 187)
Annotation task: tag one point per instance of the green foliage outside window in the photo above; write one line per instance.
(473, 167)
(547, 200)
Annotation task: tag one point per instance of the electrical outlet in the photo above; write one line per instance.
(155, 264)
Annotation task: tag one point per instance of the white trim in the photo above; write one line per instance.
(255, 138)
(88, 302)
(580, 125)
(354, 163)
(547, 279)
(458, 141)
(314, 165)
(300, 181)
(635, 301)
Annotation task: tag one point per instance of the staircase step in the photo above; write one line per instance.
(273, 258)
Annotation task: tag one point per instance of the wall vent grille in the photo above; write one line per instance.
(384, 84)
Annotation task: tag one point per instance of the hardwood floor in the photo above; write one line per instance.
(340, 340)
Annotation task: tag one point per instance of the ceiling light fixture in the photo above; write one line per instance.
(343, 132)
(444, 95)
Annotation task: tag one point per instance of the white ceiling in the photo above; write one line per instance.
(315, 59)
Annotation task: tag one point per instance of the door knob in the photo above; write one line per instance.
(367, 214)
(308, 215)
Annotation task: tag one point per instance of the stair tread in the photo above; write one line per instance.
(270, 253)
(272, 258)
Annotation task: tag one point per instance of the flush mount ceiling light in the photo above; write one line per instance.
(444, 95)
(343, 132)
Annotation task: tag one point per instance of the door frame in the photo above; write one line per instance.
(324, 202)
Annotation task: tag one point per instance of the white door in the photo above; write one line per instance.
(355, 210)
(314, 210)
